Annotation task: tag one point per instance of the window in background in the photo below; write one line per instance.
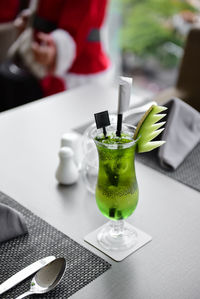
(152, 35)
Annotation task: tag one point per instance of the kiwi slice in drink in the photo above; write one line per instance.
(148, 128)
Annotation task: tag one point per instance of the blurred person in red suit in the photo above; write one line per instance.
(68, 43)
(61, 49)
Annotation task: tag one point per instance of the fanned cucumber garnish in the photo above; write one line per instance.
(148, 128)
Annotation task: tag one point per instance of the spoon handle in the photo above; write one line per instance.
(25, 294)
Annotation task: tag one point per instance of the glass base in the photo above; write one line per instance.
(117, 235)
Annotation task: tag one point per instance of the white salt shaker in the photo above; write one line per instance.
(72, 140)
(67, 171)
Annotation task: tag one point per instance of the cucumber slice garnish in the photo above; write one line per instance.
(148, 128)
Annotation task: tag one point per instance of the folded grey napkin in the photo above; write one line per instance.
(12, 223)
(182, 133)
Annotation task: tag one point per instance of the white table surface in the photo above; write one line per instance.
(167, 267)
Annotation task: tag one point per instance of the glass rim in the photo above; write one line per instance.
(115, 145)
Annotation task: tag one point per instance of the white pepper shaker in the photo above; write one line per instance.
(67, 171)
(72, 140)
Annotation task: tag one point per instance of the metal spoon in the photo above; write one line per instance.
(46, 278)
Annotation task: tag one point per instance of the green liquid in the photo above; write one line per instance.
(117, 189)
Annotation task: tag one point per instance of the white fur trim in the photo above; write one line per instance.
(66, 51)
(105, 77)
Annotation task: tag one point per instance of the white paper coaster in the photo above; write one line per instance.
(116, 255)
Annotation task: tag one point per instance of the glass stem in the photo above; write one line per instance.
(117, 228)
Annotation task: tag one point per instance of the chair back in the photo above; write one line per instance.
(188, 81)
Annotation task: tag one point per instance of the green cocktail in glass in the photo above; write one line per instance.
(117, 188)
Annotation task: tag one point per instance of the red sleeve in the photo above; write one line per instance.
(8, 10)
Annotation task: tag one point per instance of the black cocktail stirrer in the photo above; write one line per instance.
(125, 84)
(102, 121)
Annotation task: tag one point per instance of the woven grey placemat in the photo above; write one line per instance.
(187, 173)
(83, 266)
